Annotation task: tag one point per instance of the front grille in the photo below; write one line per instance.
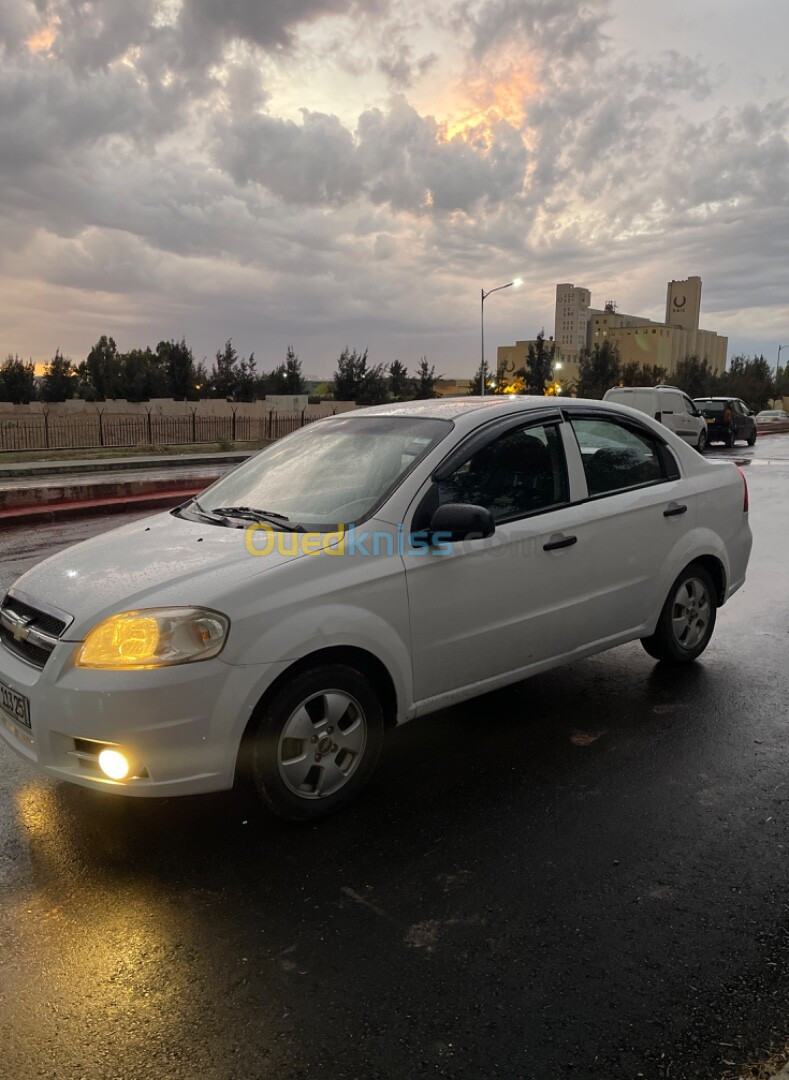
(41, 619)
(27, 632)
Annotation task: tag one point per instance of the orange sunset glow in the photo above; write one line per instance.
(43, 40)
(487, 102)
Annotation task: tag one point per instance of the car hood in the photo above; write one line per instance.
(158, 561)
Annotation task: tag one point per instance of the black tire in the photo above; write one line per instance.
(752, 438)
(701, 445)
(275, 755)
(668, 643)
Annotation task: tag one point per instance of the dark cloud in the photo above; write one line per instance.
(397, 157)
(268, 23)
(313, 163)
(561, 28)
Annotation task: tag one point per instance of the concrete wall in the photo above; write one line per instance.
(168, 407)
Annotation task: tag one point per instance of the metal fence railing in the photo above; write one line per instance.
(88, 431)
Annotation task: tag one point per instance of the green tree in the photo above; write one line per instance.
(400, 386)
(598, 370)
(177, 360)
(142, 375)
(635, 374)
(202, 383)
(58, 382)
(350, 375)
(749, 378)
(246, 379)
(539, 365)
(695, 377)
(425, 382)
(224, 376)
(100, 370)
(374, 389)
(293, 378)
(481, 377)
(17, 380)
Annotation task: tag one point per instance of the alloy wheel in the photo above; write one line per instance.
(690, 613)
(322, 744)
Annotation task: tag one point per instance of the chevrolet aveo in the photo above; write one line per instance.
(366, 570)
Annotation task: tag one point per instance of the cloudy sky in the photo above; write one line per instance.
(352, 172)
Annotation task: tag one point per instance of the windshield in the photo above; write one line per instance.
(330, 473)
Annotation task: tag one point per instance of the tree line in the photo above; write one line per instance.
(751, 378)
(170, 371)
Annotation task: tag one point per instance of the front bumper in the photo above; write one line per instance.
(181, 725)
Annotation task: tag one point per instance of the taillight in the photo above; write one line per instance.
(744, 489)
(659, 417)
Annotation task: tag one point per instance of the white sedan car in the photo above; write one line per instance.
(368, 569)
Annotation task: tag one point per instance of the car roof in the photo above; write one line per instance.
(454, 408)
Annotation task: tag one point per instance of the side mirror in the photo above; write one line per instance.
(462, 521)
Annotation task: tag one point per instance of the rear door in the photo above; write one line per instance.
(638, 509)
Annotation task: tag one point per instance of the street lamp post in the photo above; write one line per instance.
(484, 295)
(777, 366)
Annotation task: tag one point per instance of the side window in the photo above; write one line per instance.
(616, 457)
(689, 406)
(519, 473)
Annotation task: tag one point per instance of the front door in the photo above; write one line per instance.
(480, 609)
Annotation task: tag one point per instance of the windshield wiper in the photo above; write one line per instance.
(249, 513)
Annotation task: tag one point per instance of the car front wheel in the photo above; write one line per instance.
(687, 620)
(752, 438)
(314, 745)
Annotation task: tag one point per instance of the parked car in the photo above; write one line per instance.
(366, 570)
(728, 419)
(669, 406)
(772, 416)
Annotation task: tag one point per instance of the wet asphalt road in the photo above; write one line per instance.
(582, 876)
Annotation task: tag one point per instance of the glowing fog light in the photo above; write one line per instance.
(114, 764)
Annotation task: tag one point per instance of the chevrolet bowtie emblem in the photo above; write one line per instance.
(20, 629)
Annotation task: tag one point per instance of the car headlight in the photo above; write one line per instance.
(156, 637)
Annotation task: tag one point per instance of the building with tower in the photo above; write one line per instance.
(577, 325)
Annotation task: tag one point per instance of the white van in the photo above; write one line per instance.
(667, 404)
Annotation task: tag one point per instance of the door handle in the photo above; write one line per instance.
(675, 510)
(554, 545)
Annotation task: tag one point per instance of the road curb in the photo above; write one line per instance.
(48, 513)
(17, 470)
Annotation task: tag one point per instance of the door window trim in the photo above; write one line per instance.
(484, 436)
(667, 459)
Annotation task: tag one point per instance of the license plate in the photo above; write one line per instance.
(710, 421)
(15, 705)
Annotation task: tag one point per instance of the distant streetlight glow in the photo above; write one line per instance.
(515, 282)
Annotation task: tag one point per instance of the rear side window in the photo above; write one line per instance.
(616, 457)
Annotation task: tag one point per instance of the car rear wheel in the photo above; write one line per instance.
(687, 620)
(701, 445)
(314, 745)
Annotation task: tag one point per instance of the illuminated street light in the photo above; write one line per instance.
(516, 282)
